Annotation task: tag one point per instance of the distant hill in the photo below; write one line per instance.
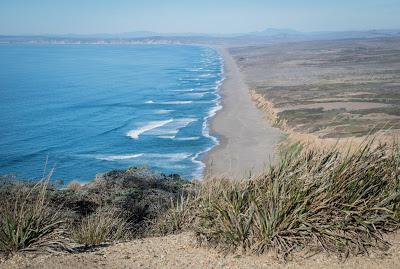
(129, 35)
(267, 36)
(276, 32)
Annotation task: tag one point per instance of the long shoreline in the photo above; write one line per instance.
(247, 141)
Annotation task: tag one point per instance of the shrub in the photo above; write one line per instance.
(86, 213)
(28, 223)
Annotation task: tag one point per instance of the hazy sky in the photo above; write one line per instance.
(206, 16)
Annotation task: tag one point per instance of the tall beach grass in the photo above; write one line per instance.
(29, 222)
(323, 199)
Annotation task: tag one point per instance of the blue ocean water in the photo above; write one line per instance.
(86, 109)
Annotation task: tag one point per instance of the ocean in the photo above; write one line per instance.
(88, 109)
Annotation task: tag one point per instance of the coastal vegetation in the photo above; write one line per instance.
(28, 220)
(340, 202)
(117, 205)
(337, 200)
(329, 89)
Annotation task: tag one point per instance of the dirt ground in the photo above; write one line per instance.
(181, 251)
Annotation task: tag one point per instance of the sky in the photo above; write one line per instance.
(200, 16)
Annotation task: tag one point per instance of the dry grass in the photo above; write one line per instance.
(74, 186)
(29, 223)
(177, 218)
(103, 226)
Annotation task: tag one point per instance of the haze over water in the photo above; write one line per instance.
(92, 108)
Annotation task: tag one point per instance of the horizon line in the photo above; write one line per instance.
(201, 33)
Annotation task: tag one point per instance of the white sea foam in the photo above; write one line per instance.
(150, 126)
(184, 90)
(190, 138)
(176, 102)
(172, 128)
(170, 102)
(173, 137)
(172, 157)
(166, 136)
(205, 89)
(196, 69)
(119, 157)
(163, 111)
(169, 157)
(196, 94)
(206, 130)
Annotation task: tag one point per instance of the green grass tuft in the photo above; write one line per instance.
(326, 199)
(28, 223)
(103, 226)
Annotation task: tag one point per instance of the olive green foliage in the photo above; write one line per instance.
(117, 205)
(28, 222)
(333, 200)
(101, 227)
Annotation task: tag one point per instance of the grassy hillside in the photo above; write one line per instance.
(335, 89)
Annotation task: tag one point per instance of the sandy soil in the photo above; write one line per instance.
(247, 140)
(180, 251)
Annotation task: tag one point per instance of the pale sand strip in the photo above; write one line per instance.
(247, 140)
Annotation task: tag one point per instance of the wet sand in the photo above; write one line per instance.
(247, 140)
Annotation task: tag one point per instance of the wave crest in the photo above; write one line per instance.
(119, 157)
(150, 126)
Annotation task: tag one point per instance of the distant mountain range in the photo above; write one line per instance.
(269, 32)
(269, 35)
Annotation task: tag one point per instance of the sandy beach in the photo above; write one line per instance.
(247, 140)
